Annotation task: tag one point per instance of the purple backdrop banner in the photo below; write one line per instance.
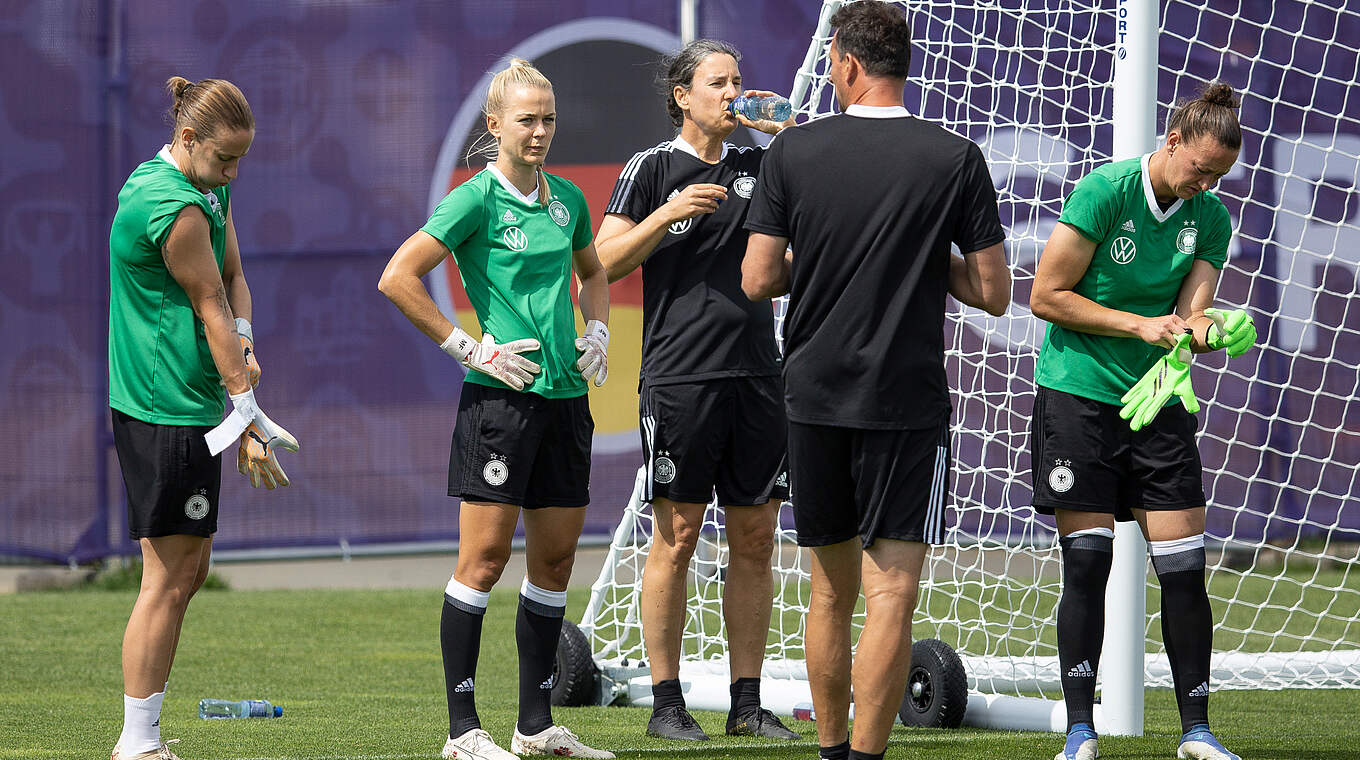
(355, 102)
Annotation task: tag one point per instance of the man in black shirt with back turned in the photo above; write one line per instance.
(871, 201)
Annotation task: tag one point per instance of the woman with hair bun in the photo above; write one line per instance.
(1129, 271)
(179, 331)
(521, 443)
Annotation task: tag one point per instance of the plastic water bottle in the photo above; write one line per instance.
(759, 107)
(245, 708)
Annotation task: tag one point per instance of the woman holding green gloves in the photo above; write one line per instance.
(1129, 272)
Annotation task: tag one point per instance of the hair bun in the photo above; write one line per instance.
(516, 62)
(1220, 94)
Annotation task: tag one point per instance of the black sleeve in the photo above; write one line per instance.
(635, 193)
(979, 221)
(768, 212)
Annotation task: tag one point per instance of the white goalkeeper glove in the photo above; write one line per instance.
(594, 348)
(248, 349)
(503, 362)
(258, 435)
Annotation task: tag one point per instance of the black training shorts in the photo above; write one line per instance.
(1086, 459)
(172, 481)
(872, 484)
(521, 448)
(726, 435)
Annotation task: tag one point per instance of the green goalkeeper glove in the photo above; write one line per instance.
(1232, 330)
(1170, 376)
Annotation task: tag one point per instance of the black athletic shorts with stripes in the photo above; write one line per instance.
(873, 484)
(511, 447)
(172, 480)
(725, 436)
(1086, 459)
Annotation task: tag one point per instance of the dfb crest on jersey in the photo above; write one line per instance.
(663, 470)
(1061, 478)
(1185, 240)
(196, 508)
(515, 239)
(744, 186)
(558, 211)
(1122, 250)
(496, 472)
(682, 226)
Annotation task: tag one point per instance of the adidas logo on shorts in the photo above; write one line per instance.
(1082, 670)
(1200, 691)
(465, 686)
(1128, 226)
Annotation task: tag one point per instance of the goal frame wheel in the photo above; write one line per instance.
(937, 687)
(575, 675)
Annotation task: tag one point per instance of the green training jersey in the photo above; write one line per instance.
(160, 368)
(1142, 255)
(514, 256)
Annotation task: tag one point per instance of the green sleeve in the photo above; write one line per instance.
(163, 216)
(582, 234)
(458, 216)
(1092, 207)
(1214, 236)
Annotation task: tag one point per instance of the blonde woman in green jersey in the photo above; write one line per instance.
(179, 331)
(1130, 268)
(521, 443)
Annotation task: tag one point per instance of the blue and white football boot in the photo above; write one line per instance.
(1199, 744)
(1081, 743)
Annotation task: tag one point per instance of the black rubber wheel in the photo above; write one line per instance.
(575, 677)
(937, 687)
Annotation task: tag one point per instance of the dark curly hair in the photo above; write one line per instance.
(1213, 113)
(877, 35)
(678, 71)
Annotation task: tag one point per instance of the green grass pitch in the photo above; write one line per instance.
(358, 674)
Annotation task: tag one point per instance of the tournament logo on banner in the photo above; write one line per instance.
(601, 69)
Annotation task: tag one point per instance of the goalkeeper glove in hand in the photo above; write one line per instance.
(1170, 376)
(1232, 330)
(248, 349)
(594, 348)
(503, 362)
(259, 436)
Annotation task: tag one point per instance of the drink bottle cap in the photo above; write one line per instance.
(277, 711)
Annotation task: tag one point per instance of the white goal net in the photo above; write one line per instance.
(1031, 82)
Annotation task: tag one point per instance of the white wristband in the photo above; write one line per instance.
(459, 345)
(243, 328)
(244, 411)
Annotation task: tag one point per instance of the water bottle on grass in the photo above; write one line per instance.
(759, 107)
(245, 708)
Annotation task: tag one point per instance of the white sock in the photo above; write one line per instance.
(141, 724)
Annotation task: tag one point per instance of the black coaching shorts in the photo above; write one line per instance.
(172, 481)
(521, 448)
(1085, 458)
(869, 483)
(726, 435)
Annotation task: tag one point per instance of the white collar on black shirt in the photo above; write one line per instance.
(682, 145)
(1154, 207)
(510, 187)
(877, 112)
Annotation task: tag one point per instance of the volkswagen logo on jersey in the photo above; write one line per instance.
(559, 213)
(1122, 250)
(216, 206)
(744, 186)
(682, 226)
(1185, 240)
(515, 239)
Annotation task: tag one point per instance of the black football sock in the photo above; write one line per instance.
(460, 639)
(745, 694)
(837, 752)
(1081, 620)
(857, 755)
(1187, 623)
(667, 694)
(537, 628)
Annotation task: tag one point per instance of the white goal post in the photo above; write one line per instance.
(1050, 90)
